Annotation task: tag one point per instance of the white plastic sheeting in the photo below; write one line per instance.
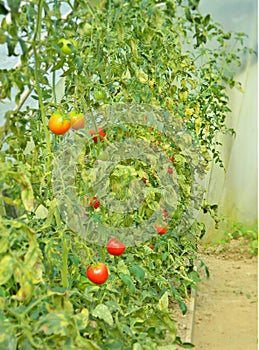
(235, 188)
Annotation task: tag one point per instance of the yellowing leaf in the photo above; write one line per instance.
(29, 147)
(4, 244)
(101, 311)
(198, 124)
(163, 302)
(41, 212)
(55, 323)
(27, 190)
(82, 319)
(6, 269)
(134, 48)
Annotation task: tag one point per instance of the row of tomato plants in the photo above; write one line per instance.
(108, 52)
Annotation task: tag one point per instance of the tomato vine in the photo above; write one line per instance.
(163, 54)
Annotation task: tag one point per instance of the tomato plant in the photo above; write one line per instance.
(97, 273)
(110, 53)
(115, 247)
(59, 123)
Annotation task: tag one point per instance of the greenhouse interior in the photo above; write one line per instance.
(128, 175)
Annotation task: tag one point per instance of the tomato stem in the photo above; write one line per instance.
(64, 271)
(38, 88)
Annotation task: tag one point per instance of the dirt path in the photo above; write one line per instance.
(226, 305)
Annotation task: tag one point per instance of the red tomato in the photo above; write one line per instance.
(77, 120)
(151, 246)
(170, 170)
(95, 203)
(172, 159)
(59, 123)
(97, 273)
(115, 248)
(161, 230)
(101, 135)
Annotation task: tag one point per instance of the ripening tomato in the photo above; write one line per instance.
(165, 213)
(115, 247)
(59, 123)
(170, 170)
(95, 203)
(77, 120)
(67, 45)
(161, 230)
(97, 273)
(101, 133)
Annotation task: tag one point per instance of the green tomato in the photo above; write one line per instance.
(67, 46)
(99, 95)
(87, 29)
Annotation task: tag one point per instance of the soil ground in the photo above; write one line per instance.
(225, 316)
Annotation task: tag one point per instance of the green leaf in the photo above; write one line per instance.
(206, 20)
(2, 36)
(102, 311)
(14, 5)
(126, 279)
(122, 267)
(138, 272)
(55, 323)
(3, 10)
(7, 337)
(26, 345)
(82, 319)
(183, 307)
(83, 344)
(11, 44)
(184, 345)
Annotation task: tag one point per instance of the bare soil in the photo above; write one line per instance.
(225, 316)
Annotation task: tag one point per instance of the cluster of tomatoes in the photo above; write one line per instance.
(98, 272)
(59, 124)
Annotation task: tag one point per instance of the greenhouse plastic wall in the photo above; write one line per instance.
(235, 187)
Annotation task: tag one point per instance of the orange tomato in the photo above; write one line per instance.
(59, 123)
(161, 230)
(77, 120)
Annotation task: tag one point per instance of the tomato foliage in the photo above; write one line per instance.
(165, 54)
